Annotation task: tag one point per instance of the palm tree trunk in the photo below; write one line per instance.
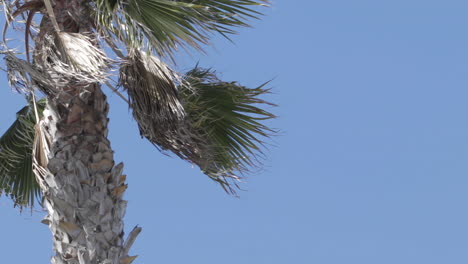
(82, 187)
(83, 191)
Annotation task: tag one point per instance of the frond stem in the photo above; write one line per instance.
(116, 91)
(51, 13)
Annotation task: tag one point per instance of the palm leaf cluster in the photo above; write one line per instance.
(165, 24)
(227, 116)
(216, 125)
(16, 175)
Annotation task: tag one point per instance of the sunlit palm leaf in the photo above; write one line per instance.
(16, 176)
(167, 24)
(227, 116)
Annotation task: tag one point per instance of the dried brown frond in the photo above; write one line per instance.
(40, 153)
(152, 91)
(154, 100)
(24, 76)
(72, 57)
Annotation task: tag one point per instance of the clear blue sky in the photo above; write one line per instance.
(371, 165)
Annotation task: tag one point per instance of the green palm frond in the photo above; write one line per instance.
(16, 176)
(221, 128)
(167, 24)
(228, 117)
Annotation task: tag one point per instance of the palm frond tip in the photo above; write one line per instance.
(228, 117)
(17, 179)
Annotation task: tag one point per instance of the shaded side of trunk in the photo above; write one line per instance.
(83, 188)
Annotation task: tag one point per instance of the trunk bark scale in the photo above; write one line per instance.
(82, 187)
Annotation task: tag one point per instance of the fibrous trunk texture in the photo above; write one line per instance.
(83, 188)
(81, 185)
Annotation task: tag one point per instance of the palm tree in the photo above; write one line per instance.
(57, 151)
